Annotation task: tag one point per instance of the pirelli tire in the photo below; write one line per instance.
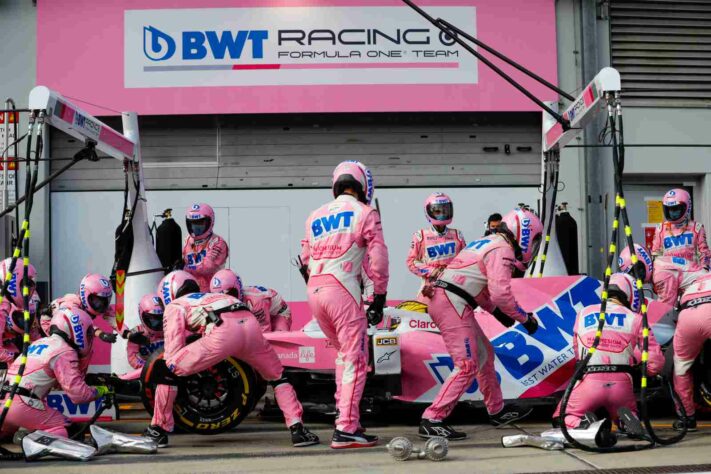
(213, 401)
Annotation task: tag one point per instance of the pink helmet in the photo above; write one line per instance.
(75, 327)
(677, 205)
(622, 286)
(150, 310)
(228, 282)
(199, 219)
(176, 284)
(15, 321)
(526, 228)
(439, 209)
(353, 174)
(95, 294)
(644, 262)
(14, 288)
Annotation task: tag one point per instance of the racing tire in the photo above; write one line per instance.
(212, 401)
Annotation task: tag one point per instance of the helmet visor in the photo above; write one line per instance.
(153, 321)
(99, 303)
(440, 211)
(187, 288)
(18, 321)
(675, 213)
(197, 226)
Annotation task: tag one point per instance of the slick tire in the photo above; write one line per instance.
(212, 401)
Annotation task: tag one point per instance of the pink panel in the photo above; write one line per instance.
(80, 53)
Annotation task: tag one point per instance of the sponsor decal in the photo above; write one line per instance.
(307, 355)
(294, 46)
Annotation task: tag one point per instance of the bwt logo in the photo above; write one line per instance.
(678, 240)
(441, 250)
(525, 234)
(78, 331)
(611, 319)
(196, 45)
(331, 222)
(166, 293)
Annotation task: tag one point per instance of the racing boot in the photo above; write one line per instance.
(343, 440)
(434, 429)
(509, 414)
(158, 435)
(688, 421)
(301, 437)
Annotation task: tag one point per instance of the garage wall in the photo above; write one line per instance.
(225, 152)
(263, 229)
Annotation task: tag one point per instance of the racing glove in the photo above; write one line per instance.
(136, 337)
(531, 324)
(107, 337)
(503, 318)
(375, 310)
(102, 390)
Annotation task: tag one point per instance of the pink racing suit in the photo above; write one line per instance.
(204, 257)
(50, 362)
(8, 350)
(238, 336)
(483, 270)
(621, 345)
(268, 307)
(431, 250)
(692, 330)
(338, 236)
(138, 354)
(673, 275)
(686, 257)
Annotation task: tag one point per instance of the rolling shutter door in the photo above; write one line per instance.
(301, 151)
(662, 49)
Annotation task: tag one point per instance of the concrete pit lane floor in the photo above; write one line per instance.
(259, 446)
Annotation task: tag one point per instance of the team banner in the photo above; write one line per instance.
(241, 56)
(293, 46)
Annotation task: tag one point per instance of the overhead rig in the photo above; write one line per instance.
(601, 94)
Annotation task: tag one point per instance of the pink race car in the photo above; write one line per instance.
(408, 360)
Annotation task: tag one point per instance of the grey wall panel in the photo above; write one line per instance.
(301, 151)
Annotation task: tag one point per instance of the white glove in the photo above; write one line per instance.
(198, 317)
(209, 328)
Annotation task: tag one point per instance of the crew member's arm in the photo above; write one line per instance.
(377, 251)
(414, 256)
(214, 259)
(703, 247)
(70, 376)
(305, 251)
(174, 330)
(279, 312)
(657, 247)
(655, 360)
(133, 351)
(499, 265)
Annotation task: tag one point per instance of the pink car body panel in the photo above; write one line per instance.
(527, 366)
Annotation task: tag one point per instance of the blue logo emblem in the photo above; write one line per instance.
(157, 46)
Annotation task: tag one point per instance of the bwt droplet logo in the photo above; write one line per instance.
(199, 45)
(157, 46)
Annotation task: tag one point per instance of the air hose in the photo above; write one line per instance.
(23, 247)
